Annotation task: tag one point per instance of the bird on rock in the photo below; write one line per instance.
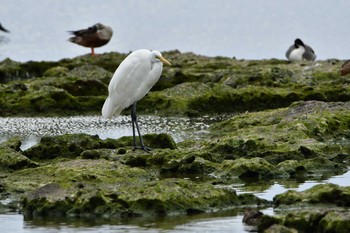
(92, 37)
(131, 81)
(300, 51)
(3, 29)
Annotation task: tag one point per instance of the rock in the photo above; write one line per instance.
(335, 221)
(252, 217)
(74, 145)
(321, 194)
(11, 158)
(193, 86)
(254, 168)
(280, 229)
(308, 221)
(132, 198)
(278, 135)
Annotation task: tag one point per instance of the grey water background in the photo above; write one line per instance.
(250, 29)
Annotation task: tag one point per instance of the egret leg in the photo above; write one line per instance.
(134, 123)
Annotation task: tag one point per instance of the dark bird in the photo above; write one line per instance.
(300, 51)
(92, 37)
(3, 29)
(345, 68)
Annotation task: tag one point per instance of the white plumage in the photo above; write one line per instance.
(300, 51)
(132, 80)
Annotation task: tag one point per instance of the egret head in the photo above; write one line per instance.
(156, 56)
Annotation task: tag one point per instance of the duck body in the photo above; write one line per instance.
(300, 51)
(92, 37)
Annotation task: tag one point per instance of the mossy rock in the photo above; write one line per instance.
(277, 228)
(66, 146)
(304, 132)
(230, 85)
(335, 221)
(307, 221)
(255, 168)
(74, 145)
(319, 194)
(11, 157)
(168, 196)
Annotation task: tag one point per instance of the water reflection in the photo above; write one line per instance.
(267, 190)
(225, 221)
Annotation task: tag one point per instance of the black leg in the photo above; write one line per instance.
(134, 123)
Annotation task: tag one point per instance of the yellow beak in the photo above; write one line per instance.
(164, 60)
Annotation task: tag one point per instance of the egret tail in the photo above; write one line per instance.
(109, 109)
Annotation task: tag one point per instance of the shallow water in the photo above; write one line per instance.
(32, 129)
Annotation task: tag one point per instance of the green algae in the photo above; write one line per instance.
(304, 132)
(73, 145)
(212, 84)
(319, 194)
(11, 158)
(254, 168)
(336, 221)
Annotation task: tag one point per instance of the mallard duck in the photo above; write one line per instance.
(345, 68)
(92, 37)
(300, 51)
(3, 29)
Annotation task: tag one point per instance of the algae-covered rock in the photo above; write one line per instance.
(277, 228)
(11, 158)
(335, 221)
(303, 137)
(193, 86)
(254, 168)
(73, 145)
(319, 194)
(132, 198)
(308, 221)
(67, 146)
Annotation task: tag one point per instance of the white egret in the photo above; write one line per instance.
(92, 37)
(132, 80)
(300, 51)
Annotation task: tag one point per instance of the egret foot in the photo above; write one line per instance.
(144, 148)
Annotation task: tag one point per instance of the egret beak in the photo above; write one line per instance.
(164, 60)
